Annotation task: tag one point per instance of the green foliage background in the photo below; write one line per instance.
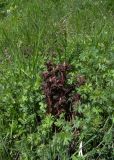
(32, 32)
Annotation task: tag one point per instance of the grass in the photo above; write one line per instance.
(33, 32)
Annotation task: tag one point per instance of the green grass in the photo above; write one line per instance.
(80, 32)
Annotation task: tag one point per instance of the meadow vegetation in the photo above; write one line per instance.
(77, 33)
